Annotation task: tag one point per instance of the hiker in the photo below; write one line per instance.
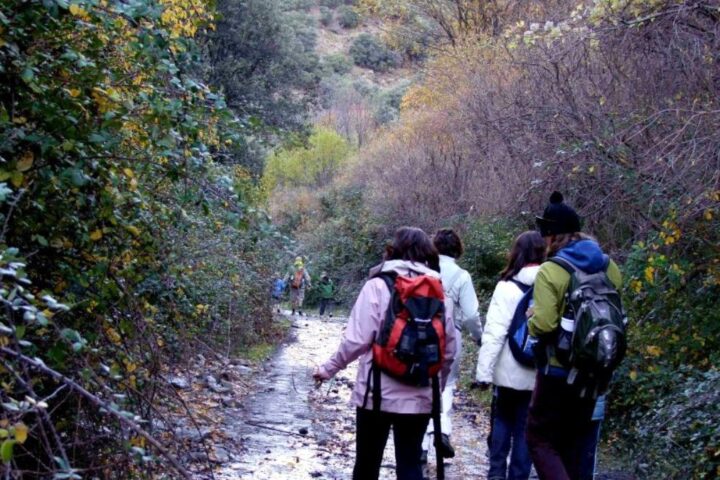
(299, 280)
(562, 405)
(278, 290)
(513, 382)
(326, 290)
(459, 289)
(381, 400)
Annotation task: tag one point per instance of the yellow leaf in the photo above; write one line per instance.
(129, 173)
(633, 375)
(650, 274)
(21, 432)
(113, 335)
(653, 350)
(17, 179)
(25, 162)
(96, 235)
(133, 230)
(77, 11)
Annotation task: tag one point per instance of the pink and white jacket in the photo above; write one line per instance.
(365, 320)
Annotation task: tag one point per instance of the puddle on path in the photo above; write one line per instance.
(290, 430)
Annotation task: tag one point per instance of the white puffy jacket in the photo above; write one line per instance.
(496, 363)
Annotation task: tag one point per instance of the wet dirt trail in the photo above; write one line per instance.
(289, 429)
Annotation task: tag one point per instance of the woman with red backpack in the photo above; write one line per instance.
(402, 303)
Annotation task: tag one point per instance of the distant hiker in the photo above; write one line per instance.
(299, 280)
(278, 290)
(497, 365)
(459, 290)
(579, 322)
(399, 357)
(326, 290)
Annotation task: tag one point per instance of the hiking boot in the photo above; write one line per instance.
(446, 448)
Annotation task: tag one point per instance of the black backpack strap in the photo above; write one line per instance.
(567, 266)
(377, 389)
(389, 279)
(524, 287)
(437, 427)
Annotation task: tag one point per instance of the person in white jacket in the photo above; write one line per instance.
(513, 382)
(460, 292)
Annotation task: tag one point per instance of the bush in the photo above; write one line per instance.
(348, 17)
(326, 16)
(487, 242)
(367, 51)
(387, 107)
(302, 5)
(331, 3)
(337, 63)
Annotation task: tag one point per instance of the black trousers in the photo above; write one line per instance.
(324, 303)
(373, 429)
(558, 423)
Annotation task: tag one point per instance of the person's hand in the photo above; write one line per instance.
(319, 376)
(530, 312)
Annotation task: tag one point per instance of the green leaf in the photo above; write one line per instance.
(27, 75)
(6, 450)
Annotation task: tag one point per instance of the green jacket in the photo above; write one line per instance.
(326, 289)
(551, 283)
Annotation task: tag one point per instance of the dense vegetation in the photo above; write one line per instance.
(132, 233)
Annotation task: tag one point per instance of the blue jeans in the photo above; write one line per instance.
(509, 417)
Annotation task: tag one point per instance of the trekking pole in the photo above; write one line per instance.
(437, 433)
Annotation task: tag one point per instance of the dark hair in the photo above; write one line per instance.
(528, 248)
(448, 243)
(413, 244)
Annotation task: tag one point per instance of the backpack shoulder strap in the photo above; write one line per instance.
(389, 279)
(567, 266)
(524, 287)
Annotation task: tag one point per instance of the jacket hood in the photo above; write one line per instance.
(585, 255)
(527, 274)
(403, 267)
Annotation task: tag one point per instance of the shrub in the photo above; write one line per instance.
(337, 63)
(368, 52)
(326, 16)
(331, 3)
(348, 17)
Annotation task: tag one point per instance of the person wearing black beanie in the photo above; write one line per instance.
(560, 417)
(558, 217)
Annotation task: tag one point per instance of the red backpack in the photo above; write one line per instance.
(410, 346)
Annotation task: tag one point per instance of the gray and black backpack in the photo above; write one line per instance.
(592, 337)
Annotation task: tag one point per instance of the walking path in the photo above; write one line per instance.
(292, 430)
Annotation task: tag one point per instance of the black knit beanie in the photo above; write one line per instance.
(558, 218)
